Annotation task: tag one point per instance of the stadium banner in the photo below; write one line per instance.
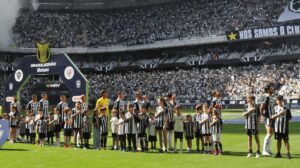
(4, 131)
(291, 12)
(59, 64)
(267, 32)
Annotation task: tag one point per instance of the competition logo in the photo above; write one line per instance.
(78, 84)
(294, 6)
(43, 52)
(69, 72)
(19, 75)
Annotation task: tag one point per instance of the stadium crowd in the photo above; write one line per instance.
(176, 20)
(235, 83)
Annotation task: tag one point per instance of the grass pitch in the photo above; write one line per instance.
(234, 143)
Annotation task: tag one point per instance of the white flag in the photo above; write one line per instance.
(291, 11)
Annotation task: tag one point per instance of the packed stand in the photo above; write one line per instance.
(176, 20)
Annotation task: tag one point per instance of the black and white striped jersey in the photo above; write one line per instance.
(119, 105)
(251, 120)
(170, 111)
(96, 121)
(160, 119)
(130, 123)
(269, 102)
(44, 105)
(17, 105)
(13, 118)
(61, 106)
(51, 126)
(67, 125)
(281, 122)
(84, 107)
(197, 118)
(137, 105)
(189, 129)
(216, 128)
(57, 119)
(103, 120)
(143, 123)
(86, 124)
(217, 106)
(42, 126)
(33, 107)
(206, 125)
(22, 127)
(77, 119)
(31, 126)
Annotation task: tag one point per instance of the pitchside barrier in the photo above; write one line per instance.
(59, 64)
(4, 131)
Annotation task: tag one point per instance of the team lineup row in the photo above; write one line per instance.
(138, 127)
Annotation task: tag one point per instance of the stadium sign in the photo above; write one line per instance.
(43, 52)
(43, 67)
(267, 32)
(59, 64)
(77, 98)
(53, 85)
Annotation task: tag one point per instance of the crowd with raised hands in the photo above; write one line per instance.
(175, 20)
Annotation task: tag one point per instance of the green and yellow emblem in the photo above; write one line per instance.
(43, 52)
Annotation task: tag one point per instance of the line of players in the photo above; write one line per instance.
(47, 125)
(138, 127)
(133, 127)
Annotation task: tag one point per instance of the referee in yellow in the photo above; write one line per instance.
(103, 101)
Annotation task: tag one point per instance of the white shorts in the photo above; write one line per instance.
(216, 137)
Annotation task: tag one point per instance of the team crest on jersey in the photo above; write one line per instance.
(43, 52)
(294, 6)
